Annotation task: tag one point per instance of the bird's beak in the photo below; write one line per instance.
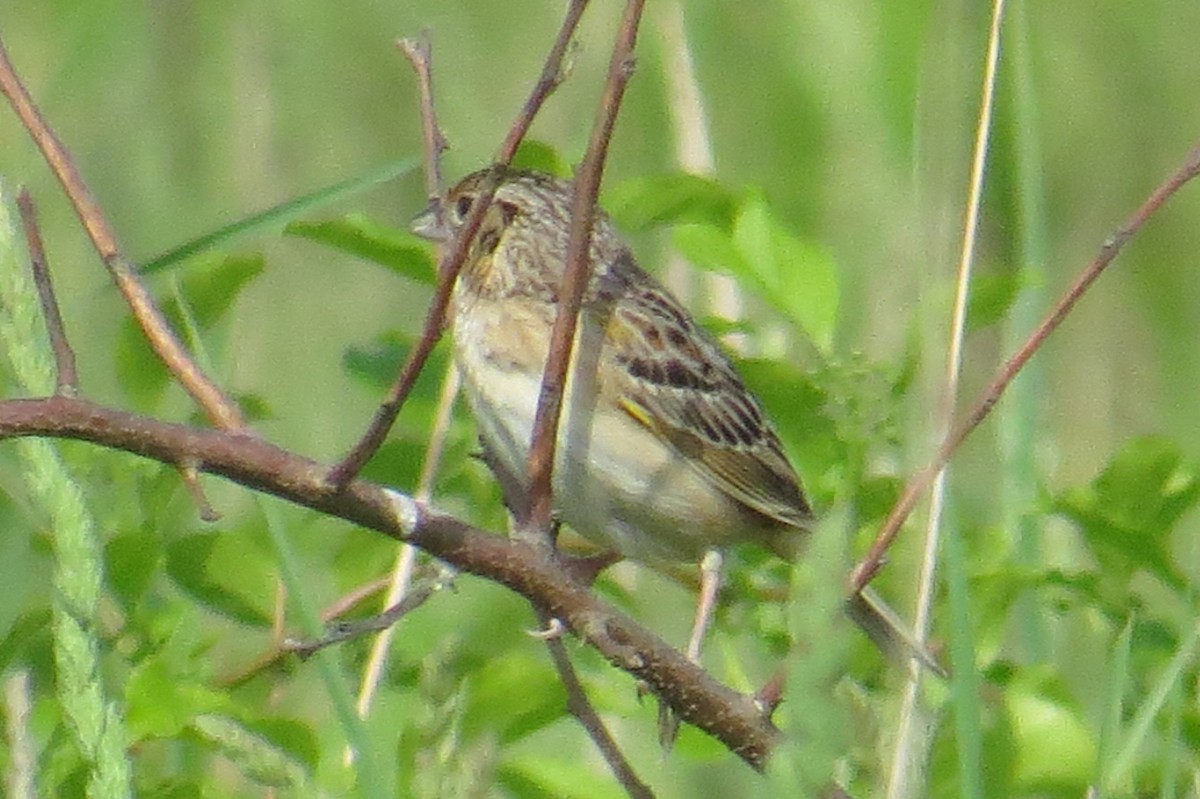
(431, 223)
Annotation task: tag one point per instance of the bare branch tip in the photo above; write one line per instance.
(190, 471)
(553, 629)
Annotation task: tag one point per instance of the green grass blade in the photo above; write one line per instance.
(1126, 759)
(279, 214)
(1111, 726)
(964, 684)
(1020, 423)
(367, 761)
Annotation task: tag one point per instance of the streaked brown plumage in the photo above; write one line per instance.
(663, 453)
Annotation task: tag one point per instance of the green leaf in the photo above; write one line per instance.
(1141, 731)
(796, 407)
(540, 157)
(28, 634)
(132, 559)
(680, 198)
(255, 407)
(709, 247)
(397, 462)
(513, 696)
(1128, 511)
(190, 563)
(995, 730)
(160, 704)
(297, 740)
(376, 364)
(398, 250)
(279, 214)
(544, 777)
(991, 297)
(24, 572)
(796, 277)
(209, 288)
(211, 285)
(1054, 747)
(258, 758)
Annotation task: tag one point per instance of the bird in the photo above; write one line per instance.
(663, 454)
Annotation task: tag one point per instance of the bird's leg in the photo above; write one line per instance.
(710, 586)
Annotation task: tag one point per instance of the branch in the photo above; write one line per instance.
(449, 266)
(420, 56)
(550, 79)
(583, 207)
(221, 410)
(866, 570)
(733, 718)
(585, 713)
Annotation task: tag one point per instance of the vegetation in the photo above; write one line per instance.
(838, 149)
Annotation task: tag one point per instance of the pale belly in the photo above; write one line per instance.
(614, 481)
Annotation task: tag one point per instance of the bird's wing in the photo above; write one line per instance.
(672, 377)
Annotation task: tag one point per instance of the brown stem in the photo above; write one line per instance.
(865, 571)
(191, 479)
(548, 81)
(266, 659)
(338, 632)
(731, 717)
(448, 268)
(420, 56)
(66, 379)
(221, 410)
(583, 206)
(579, 706)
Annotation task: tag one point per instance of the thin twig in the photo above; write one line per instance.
(449, 266)
(381, 622)
(419, 53)
(265, 660)
(550, 79)
(66, 379)
(869, 565)
(385, 415)
(279, 618)
(352, 599)
(578, 268)
(191, 479)
(579, 706)
(420, 56)
(220, 409)
(407, 558)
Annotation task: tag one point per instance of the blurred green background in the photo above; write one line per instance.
(854, 120)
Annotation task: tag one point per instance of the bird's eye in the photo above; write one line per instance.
(462, 206)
